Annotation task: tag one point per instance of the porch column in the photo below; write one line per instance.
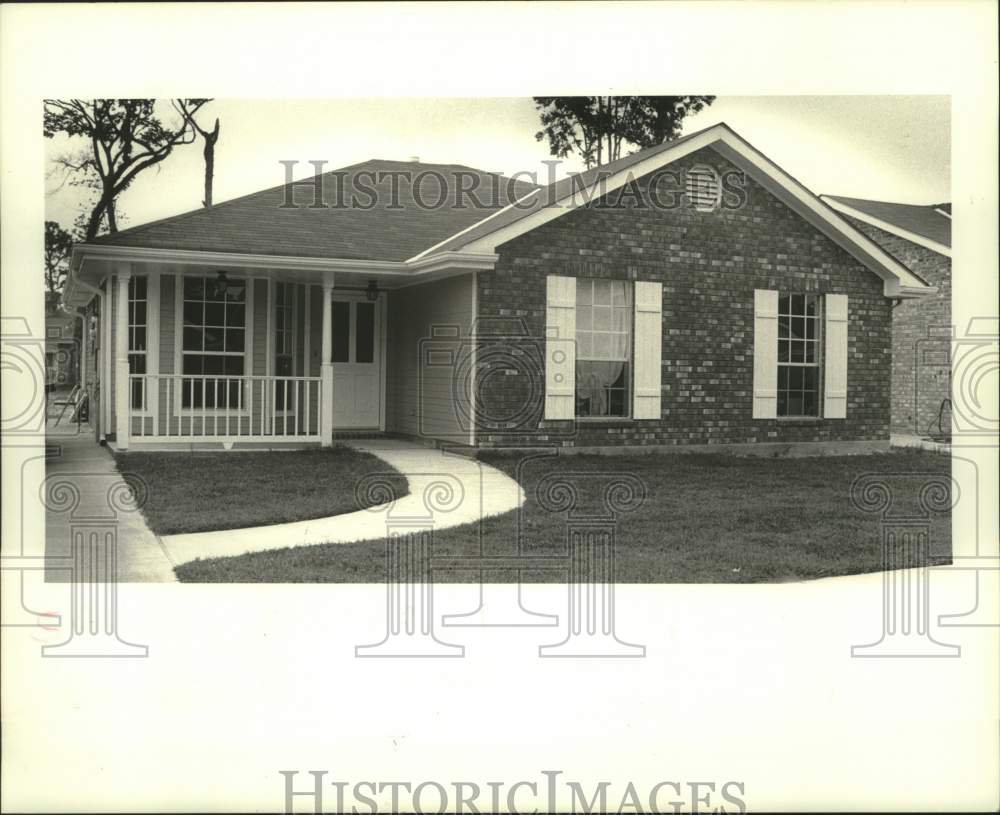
(326, 369)
(123, 388)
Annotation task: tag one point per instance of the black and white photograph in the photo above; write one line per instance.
(652, 430)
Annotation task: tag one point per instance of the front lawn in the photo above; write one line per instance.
(706, 518)
(201, 492)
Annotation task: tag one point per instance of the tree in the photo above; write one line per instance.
(58, 245)
(597, 127)
(124, 137)
(210, 137)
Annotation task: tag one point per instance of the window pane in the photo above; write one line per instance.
(810, 378)
(812, 304)
(602, 292)
(584, 345)
(784, 303)
(798, 353)
(782, 350)
(619, 346)
(809, 401)
(782, 378)
(621, 319)
(236, 291)
(602, 318)
(782, 327)
(794, 403)
(233, 366)
(798, 327)
(798, 304)
(364, 342)
(811, 329)
(192, 339)
(810, 352)
(236, 314)
(137, 288)
(193, 364)
(234, 339)
(214, 365)
(213, 339)
(602, 346)
(619, 293)
(194, 313)
(584, 292)
(215, 314)
(782, 403)
(194, 288)
(341, 331)
(795, 378)
(584, 318)
(139, 339)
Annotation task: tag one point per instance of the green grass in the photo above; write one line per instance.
(201, 492)
(706, 518)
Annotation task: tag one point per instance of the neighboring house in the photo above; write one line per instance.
(920, 236)
(61, 356)
(732, 307)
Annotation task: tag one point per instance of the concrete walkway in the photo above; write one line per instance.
(446, 490)
(919, 442)
(84, 491)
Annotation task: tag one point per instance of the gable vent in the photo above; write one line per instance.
(704, 190)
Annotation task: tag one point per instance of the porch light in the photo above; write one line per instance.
(372, 291)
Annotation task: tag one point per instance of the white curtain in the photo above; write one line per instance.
(593, 380)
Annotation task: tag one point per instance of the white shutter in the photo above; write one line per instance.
(765, 354)
(648, 349)
(835, 352)
(560, 347)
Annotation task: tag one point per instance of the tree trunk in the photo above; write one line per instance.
(210, 140)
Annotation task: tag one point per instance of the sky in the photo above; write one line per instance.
(890, 148)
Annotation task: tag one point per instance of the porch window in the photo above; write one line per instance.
(214, 343)
(798, 354)
(603, 346)
(137, 317)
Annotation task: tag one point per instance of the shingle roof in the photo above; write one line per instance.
(920, 220)
(402, 222)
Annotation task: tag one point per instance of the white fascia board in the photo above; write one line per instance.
(892, 229)
(453, 262)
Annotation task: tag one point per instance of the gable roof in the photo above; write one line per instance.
(928, 226)
(411, 239)
(258, 224)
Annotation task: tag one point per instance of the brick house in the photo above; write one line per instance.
(920, 236)
(692, 293)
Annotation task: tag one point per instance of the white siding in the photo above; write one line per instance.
(428, 325)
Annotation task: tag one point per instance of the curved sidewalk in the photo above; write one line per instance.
(445, 489)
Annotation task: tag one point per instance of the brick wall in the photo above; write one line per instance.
(709, 264)
(921, 332)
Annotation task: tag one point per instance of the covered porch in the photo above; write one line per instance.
(216, 352)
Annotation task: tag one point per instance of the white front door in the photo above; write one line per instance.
(357, 362)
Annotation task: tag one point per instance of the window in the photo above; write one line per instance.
(603, 346)
(704, 191)
(214, 344)
(137, 316)
(798, 354)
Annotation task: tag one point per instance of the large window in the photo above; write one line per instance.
(798, 354)
(603, 346)
(214, 342)
(137, 325)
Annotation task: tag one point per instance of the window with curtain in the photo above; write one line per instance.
(603, 346)
(137, 317)
(214, 342)
(798, 354)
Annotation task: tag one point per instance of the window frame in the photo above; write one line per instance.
(818, 341)
(629, 308)
(133, 325)
(246, 353)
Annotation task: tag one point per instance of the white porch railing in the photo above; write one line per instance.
(224, 408)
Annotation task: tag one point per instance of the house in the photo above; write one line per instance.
(60, 350)
(692, 293)
(920, 236)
